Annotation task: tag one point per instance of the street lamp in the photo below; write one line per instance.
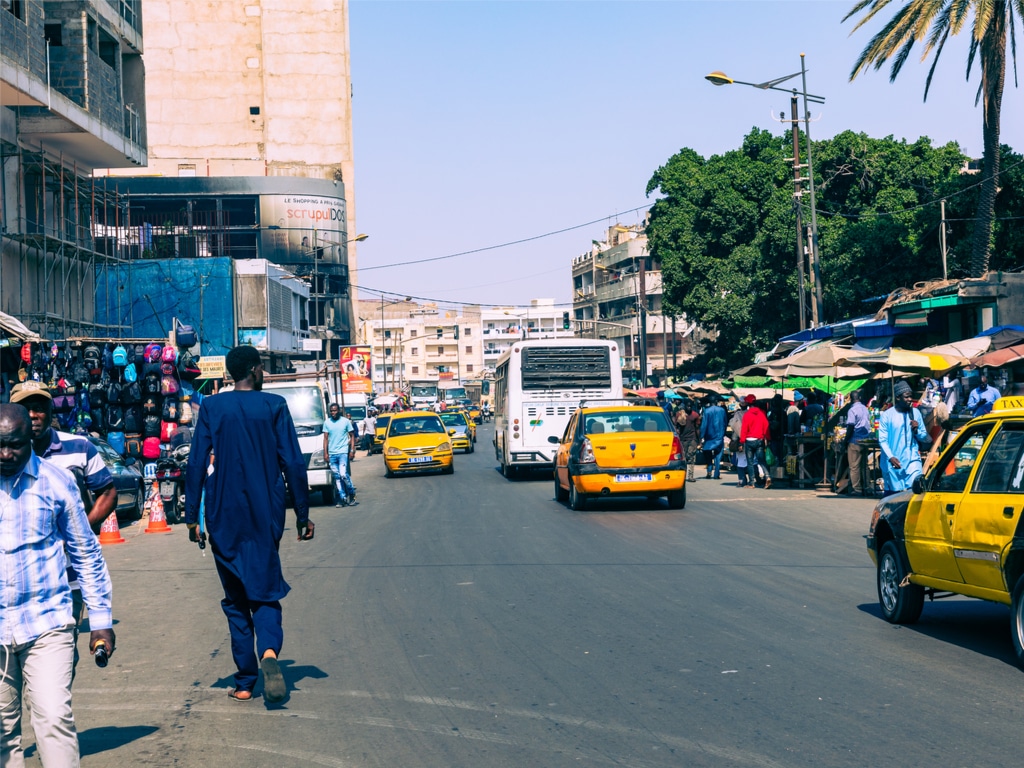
(720, 78)
(383, 357)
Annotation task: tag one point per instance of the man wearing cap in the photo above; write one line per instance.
(41, 512)
(900, 431)
(754, 435)
(75, 454)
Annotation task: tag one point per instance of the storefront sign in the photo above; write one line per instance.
(212, 367)
(355, 370)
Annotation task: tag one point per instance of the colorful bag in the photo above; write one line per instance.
(116, 441)
(151, 448)
(120, 356)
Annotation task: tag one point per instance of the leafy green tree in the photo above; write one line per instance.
(932, 22)
(724, 231)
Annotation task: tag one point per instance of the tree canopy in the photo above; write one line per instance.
(724, 231)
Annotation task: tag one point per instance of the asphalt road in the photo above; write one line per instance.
(466, 620)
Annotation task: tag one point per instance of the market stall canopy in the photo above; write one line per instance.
(823, 360)
(962, 350)
(1000, 357)
(16, 329)
(703, 387)
(902, 361)
(1003, 336)
(829, 384)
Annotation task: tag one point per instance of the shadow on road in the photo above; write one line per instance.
(974, 625)
(97, 740)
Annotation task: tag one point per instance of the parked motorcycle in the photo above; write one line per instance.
(170, 477)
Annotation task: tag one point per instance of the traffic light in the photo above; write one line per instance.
(566, 325)
(456, 329)
(440, 332)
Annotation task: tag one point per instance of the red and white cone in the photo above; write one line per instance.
(157, 518)
(110, 533)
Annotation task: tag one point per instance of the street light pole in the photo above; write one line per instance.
(720, 78)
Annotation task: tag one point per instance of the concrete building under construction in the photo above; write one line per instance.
(72, 99)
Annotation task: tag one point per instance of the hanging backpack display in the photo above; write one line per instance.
(169, 355)
(170, 409)
(116, 441)
(183, 436)
(120, 356)
(151, 384)
(184, 335)
(151, 448)
(151, 426)
(131, 393)
(98, 394)
(108, 357)
(168, 429)
(26, 352)
(133, 445)
(153, 352)
(133, 419)
(151, 406)
(115, 418)
(92, 357)
(169, 385)
(130, 373)
(114, 392)
(188, 367)
(185, 412)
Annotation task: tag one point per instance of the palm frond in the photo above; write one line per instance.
(983, 12)
(889, 40)
(900, 59)
(972, 51)
(877, 5)
(960, 10)
(1011, 23)
(935, 62)
(940, 31)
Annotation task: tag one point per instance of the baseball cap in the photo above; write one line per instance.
(29, 389)
(750, 399)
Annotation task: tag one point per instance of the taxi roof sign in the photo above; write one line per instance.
(1008, 404)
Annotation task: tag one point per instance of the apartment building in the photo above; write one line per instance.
(501, 326)
(243, 90)
(617, 294)
(410, 341)
(72, 99)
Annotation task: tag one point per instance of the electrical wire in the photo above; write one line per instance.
(504, 245)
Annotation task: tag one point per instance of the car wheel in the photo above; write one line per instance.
(140, 502)
(387, 471)
(449, 470)
(1017, 620)
(900, 605)
(577, 500)
(560, 493)
(677, 499)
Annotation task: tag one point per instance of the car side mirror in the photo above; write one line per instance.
(918, 485)
(554, 439)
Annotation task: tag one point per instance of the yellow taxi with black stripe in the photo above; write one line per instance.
(417, 441)
(460, 429)
(960, 530)
(619, 450)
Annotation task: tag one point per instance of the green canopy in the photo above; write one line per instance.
(820, 383)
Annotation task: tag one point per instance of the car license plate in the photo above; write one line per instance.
(419, 459)
(632, 478)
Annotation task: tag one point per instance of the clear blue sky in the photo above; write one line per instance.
(480, 123)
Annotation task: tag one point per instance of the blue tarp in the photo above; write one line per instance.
(147, 294)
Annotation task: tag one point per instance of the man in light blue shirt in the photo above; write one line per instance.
(339, 449)
(982, 397)
(41, 518)
(900, 431)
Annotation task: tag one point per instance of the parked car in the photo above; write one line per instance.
(619, 450)
(959, 531)
(128, 482)
(417, 441)
(458, 425)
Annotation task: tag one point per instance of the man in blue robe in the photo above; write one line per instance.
(900, 430)
(712, 433)
(252, 438)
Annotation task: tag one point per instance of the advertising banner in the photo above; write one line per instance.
(299, 228)
(355, 370)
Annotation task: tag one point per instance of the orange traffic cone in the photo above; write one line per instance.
(157, 518)
(109, 532)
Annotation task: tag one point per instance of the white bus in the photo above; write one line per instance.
(423, 394)
(538, 385)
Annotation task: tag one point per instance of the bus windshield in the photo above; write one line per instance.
(423, 391)
(566, 368)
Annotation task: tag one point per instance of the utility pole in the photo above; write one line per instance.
(818, 299)
(800, 257)
(942, 237)
(642, 317)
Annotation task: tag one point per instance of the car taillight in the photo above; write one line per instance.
(587, 452)
(677, 450)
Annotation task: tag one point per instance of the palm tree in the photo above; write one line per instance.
(931, 22)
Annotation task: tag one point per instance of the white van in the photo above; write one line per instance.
(307, 403)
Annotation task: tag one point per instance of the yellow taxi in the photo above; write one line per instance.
(619, 450)
(417, 441)
(461, 430)
(960, 530)
(379, 432)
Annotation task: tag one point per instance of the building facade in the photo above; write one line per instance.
(243, 90)
(501, 326)
(72, 99)
(617, 294)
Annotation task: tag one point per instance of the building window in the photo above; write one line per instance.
(469, 350)
(387, 352)
(412, 333)
(469, 367)
(467, 331)
(15, 7)
(414, 351)
(53, 34)
(440, 350)
(415, 369)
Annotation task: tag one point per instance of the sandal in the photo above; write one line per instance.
(240, 694)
